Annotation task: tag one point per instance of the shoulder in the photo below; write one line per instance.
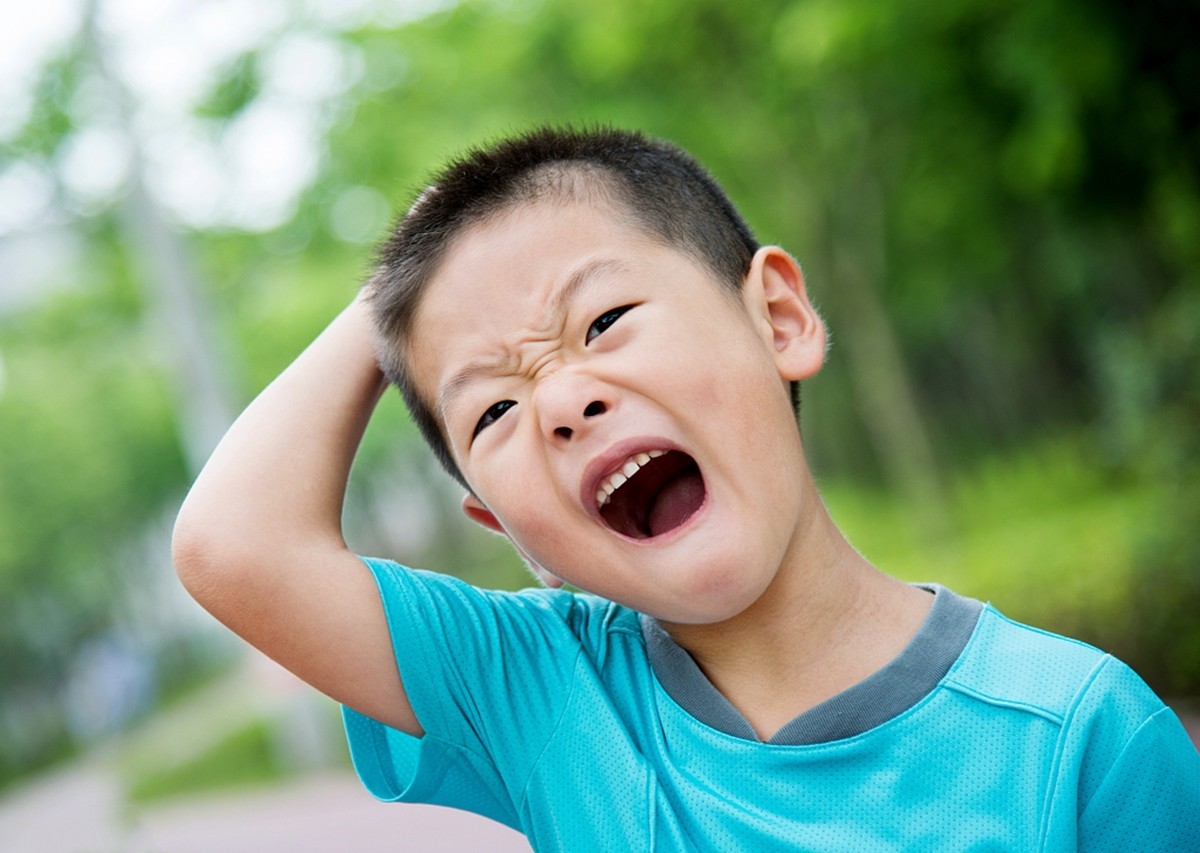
(1123, 772)
(1105, 716)
(449, 605)
(1008, 663)
(492, 670)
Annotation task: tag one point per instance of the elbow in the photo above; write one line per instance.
(221, 563)
(194, 555)
(208, 560)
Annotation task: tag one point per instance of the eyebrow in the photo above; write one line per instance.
(580, 279)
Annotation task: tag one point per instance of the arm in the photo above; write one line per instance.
(258, 541)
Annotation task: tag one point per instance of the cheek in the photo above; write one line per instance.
(736, 379)
(525, 506)
(541, 538)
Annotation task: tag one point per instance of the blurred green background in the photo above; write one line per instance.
(996, 204)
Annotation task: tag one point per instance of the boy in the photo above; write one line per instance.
(595, 346)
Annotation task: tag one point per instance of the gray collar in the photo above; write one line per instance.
(883, 695)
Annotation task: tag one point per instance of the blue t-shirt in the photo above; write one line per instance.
(563, 716)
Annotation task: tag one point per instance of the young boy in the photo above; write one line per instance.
(596, 347)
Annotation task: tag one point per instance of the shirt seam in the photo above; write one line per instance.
(1027, 707)
(533, 765)
(1055, 780)
(1125, 748)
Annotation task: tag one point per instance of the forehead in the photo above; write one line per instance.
(511, 274)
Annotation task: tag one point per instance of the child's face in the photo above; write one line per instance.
(560, 346)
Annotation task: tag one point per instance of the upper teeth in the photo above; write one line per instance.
(617, 479)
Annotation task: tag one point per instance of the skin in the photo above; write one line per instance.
(758, 585)
(760, 567)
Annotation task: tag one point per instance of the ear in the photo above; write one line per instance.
(478, 512)
(475, 510)
(777, 299)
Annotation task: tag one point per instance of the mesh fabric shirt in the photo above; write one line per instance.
(582, 725)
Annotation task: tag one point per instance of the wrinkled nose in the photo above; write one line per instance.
(568, 404)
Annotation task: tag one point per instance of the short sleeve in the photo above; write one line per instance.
(1149, 800)
(1130, 776)
(487, 674)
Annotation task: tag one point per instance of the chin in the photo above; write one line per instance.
(711, 596)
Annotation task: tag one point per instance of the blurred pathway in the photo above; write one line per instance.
(327, 813)
(78, 810)
(81, 808)
(74, 808)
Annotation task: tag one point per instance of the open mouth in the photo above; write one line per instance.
(653, 493)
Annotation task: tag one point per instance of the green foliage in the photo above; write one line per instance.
(237, 89)
(89, 453)
(58, 83)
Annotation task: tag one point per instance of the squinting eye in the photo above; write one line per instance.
(492, 415)
(605, 320)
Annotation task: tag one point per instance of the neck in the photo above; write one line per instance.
(827, 621)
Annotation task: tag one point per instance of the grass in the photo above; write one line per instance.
(243, 757)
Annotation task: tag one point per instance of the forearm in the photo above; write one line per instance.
(278, 477)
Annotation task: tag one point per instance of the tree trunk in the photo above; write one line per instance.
(882, 389)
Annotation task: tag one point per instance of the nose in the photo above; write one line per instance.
(569, 403)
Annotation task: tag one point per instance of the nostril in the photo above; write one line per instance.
(594, 408)
(564, 432)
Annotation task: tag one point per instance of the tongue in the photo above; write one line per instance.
(676, 502)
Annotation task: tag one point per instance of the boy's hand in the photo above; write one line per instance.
(258, 541)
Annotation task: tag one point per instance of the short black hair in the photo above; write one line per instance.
(652, 184)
